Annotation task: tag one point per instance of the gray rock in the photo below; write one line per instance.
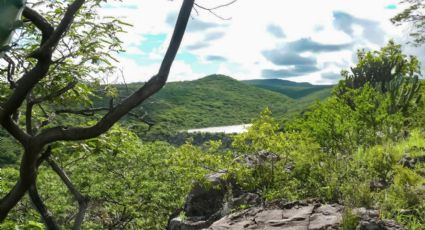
(301, 215)
(208, 203)
(304, 217)
(206, 200)
(326, 217)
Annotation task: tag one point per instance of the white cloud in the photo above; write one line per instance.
(133, 72)
(246, 37)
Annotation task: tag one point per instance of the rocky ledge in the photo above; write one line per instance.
(301, 216)
(218, 207)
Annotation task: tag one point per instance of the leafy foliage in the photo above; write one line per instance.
(130, 184)
(10, 151)
(80, 58)
(387, 70)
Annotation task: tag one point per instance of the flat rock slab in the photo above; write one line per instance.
(296, 218)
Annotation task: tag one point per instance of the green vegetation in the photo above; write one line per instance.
(216, 100)
(354, 148)
(48, 76)
(211, 101)
(291, 89)
(9, 149)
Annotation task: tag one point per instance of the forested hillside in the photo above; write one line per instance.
(211, 101)
(219, 100)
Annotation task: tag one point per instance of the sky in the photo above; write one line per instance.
(297, 40)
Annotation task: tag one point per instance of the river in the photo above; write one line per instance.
(231, 129)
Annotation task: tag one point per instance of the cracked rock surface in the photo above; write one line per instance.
(301, 216)
(308, 216)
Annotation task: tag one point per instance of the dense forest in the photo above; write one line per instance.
(66, 162)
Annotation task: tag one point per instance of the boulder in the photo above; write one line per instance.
(207, 203)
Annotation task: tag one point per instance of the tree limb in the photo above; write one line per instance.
(148, 89)
(27, 175)
(212, 9)
(10, 71)
(92, 112)
(40, 22)
(65, 89)
(80, 198)
(34, 145)
(15, 131)
(41, 208)
(84, 112)
(51, 43)
(28, 116)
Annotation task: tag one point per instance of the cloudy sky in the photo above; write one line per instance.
(299, 40)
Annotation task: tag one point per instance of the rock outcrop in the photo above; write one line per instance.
(215, 208)
(208, 203)
(301, 216)
(218, 207)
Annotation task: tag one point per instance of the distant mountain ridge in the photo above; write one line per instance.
(291, 89)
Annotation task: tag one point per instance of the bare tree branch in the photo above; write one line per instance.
(28, 115)
(23, 86)
(213, 9)
(36, 198)
(15, 131)
(220, 6)
(93, 111)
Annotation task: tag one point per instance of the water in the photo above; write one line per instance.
(232, 129)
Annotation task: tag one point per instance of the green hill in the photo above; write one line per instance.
(292, 89)
(211, 101)
(218, 100)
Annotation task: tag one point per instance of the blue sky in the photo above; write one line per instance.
(299, 40)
